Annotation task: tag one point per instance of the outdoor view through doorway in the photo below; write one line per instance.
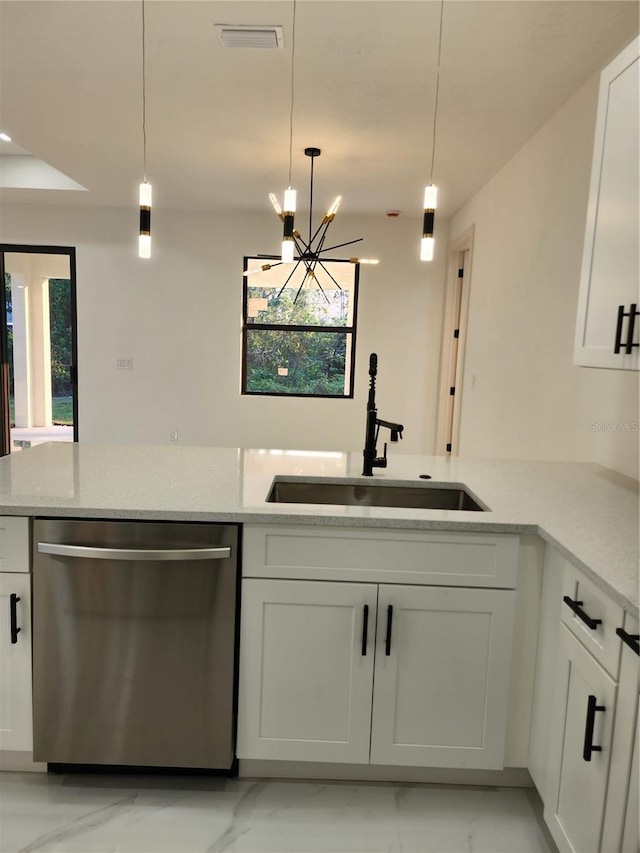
(39, 336)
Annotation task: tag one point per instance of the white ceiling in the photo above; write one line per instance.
(364, 81)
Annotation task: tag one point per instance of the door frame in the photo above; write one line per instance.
(451, 320)
(5, 424)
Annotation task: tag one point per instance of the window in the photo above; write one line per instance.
(299, 330)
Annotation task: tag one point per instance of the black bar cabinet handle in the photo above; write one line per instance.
(365, 629)
(389, 623)
(13, 617)
(592, 707)
(576, 607)
(633, 310)
(632, 640)
(621, 316)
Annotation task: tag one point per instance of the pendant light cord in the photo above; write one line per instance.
(293, 51)
(144, 101)
(435, 109)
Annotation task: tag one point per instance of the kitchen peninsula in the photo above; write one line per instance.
(473, 622)
(587, 512)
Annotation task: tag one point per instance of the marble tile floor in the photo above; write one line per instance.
(160, 814)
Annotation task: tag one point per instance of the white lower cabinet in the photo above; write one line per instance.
(584, 739)
(381, 674)
(580, 748)
(16, 732)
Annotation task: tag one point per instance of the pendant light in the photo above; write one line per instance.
(144, 240)
(288, 242)
(431, 191)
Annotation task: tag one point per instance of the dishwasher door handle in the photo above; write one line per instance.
(157, 555)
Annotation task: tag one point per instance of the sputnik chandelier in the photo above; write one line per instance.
(310, 252)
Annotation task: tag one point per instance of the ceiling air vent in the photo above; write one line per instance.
(246, 35)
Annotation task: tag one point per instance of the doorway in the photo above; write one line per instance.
(38, 346)
(454, 335)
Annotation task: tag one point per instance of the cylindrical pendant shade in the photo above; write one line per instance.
(430, 197)
(426, 248)
(144, 246)
(287, 251)
(289, 200)
(145, 194)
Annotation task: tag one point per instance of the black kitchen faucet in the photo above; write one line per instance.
(371, 460)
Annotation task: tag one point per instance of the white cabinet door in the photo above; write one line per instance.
(441, 676)
(16, 732)
(305, 672)
(610, 275)
(583, 714)
(621, 818)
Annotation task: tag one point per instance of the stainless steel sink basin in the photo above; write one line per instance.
(357, 493)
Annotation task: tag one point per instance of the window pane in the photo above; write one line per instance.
(275, 296)
(290, 362)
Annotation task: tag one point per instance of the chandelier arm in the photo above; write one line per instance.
(300, 288)
(322, 225)
(298, 241)
(319, 248)
(329, 274)
(320, 287)
(340, 245)
(279, 294)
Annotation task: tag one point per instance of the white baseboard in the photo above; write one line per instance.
(510, 777)
(20, 761)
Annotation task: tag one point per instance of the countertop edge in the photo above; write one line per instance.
(283, 518)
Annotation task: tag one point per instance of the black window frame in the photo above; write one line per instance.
(349, 330)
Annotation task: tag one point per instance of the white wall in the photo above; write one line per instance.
(178, 317)
(529, 401)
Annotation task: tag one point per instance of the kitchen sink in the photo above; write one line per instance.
(357, 493)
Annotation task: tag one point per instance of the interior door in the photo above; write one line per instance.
(38, 346)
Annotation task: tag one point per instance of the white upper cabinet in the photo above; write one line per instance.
(608, 323)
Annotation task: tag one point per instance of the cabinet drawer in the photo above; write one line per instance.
(14, 544)
(442, 558)
(599, 637)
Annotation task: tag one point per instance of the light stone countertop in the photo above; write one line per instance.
(589, 513)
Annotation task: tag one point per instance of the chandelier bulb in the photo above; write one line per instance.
(276, 204)
(287, 251)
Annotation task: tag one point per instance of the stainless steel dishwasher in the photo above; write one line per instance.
(134, 643)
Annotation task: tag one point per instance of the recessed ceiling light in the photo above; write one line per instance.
(248, 35)
(4, 137)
